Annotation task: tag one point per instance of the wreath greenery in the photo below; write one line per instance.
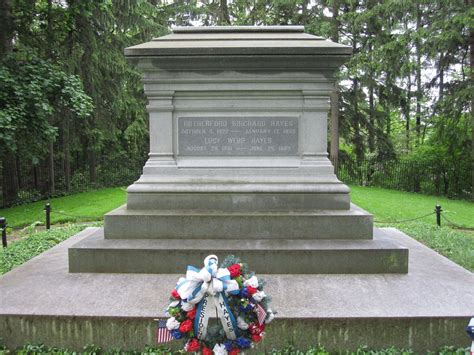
(232, 293)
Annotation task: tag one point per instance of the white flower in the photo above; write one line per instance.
(241, 324)
(259, 296)
(252, 282)
(172, 323)
(270, 316)
(219, 349)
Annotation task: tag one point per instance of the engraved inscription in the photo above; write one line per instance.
(238, 136)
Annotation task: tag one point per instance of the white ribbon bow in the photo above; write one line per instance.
(209, 280)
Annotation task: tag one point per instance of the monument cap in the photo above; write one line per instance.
(238, 40)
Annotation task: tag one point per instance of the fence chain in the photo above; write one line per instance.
(407, 220)
(454, 225)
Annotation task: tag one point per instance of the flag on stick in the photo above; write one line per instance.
(261, 314)
(163, 335)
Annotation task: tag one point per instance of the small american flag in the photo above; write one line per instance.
(261, 314)
(163, 335)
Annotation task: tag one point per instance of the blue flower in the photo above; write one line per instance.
(228, 345)
(244, 292)
(176, 334)
(243, 343)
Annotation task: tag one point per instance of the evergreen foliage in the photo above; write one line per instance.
(406, 93)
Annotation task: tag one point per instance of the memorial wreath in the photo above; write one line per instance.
(233, 294)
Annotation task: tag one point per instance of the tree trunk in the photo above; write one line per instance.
(36, 178)
(358, 139)
(371, 132)
(471, 50)
(416, 184)
(10, 182)
(86, 39)
(335, 128)
(224, 18)
(304, 12)
(18, 172)
(334, 152)
(10, 179)
(371, 31)
(49, 34)
(407, 114)
(92, 166)
(67, 122)
(6, 28)
(67, 153)
(418, 78)
(52, 187)
(358, 144)
(441, 78)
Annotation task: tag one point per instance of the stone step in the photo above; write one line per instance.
(268, 256)
(124, 223)
(234, 202)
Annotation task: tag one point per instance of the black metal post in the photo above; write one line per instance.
(438, 211)
(3, 227)
(47, 209)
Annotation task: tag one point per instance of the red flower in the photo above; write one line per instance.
(192, 346)
(175, 294)
(234, 351)
(256, 338)
(255, 329)
(234, 270)
(186, 326)
(251, 290)
(206, 351)
(192, 313)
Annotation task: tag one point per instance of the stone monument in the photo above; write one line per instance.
(238, 162)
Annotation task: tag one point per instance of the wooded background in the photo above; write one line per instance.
(72, 109)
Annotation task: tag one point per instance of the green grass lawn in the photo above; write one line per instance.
(90, 206)
(391, 205)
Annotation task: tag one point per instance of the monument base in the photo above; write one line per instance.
(425, 309)
(269, 256)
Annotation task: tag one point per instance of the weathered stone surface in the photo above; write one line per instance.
(268, 256)
(427, 308)
(124, 223)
